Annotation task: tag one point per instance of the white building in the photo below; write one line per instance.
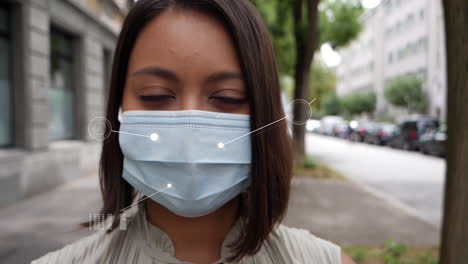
(399, 37)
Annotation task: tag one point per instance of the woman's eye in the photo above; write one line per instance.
(156, 97)
(230, 100)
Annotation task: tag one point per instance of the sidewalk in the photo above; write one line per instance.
(348, 214)
(32, 227)
(339, 211)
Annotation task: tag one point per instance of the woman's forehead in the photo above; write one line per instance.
(184, 40)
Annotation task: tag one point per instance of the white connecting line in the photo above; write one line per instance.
(139, 135)
(137, 202)
(222, 145)
(154, 137)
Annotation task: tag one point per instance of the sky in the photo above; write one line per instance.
(370, 3)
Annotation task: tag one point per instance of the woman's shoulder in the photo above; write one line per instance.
(85, 250)
(305, 247)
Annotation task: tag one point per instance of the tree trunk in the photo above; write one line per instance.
(305, 31)
(454, 249)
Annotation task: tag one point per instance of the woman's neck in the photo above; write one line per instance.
(198, 239)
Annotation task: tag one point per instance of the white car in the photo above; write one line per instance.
(313, 125)
(328, 123)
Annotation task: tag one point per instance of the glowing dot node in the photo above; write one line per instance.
(154, 137)
(220, 145)
(169, 185)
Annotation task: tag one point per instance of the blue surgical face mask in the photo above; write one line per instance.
(192, 162)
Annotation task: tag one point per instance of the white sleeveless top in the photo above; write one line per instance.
(142, 242)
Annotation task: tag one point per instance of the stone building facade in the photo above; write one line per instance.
(55, 63)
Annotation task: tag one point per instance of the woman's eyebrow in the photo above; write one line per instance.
(167, 74)
(219, 76)
(158, 71)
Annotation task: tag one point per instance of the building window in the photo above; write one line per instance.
(423, 42)
(61, 92)
(6, 91)
(400, 53)
(398, 26)
(410, 19)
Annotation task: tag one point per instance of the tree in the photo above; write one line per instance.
(406, 92)
(339, 22)
(454, 247)
(277, 16)
(331, 105)
(359, 102)
(298, 28)
(309, 36)
(322, 86)
(305, 35)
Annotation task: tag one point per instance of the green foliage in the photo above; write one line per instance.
(322, 83)
(294, 36)
(358, 254)
(287, 84)
(406, 92)
(359, 102)
(331, 105)
(393, 251)
(314, 169)
(278, 18)
(426, 259)
(339, 22)
(310, 163)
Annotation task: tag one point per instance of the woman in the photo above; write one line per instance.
(195, 79)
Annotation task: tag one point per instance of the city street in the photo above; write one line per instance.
(335, 210)
(410, 180)
(86, 84)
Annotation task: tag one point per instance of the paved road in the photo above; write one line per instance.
(411, 178)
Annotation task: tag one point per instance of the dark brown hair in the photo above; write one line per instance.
(271, 151)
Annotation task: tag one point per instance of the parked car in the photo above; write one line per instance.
(361, 130)
(371, 133)
(313, 125)
(433, 141)
(328, 123)
(384, 133)
(342, 129)
(411, 128)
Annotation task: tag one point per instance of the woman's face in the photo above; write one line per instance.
(184, 60)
